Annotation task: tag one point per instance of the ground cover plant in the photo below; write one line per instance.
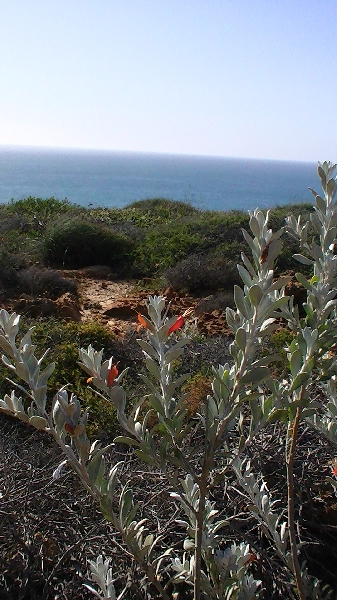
(207, 459)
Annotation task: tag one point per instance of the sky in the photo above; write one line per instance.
(235, 78)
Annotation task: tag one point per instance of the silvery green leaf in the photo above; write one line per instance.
(7, 363)
(239, 299)
(322, 175)
(255, 227)
(45, 374)
(173, 354)
(96, 451)
(112, 479)
(94, 592)
(330, 237)
(212, 406)
(40, 397)
(241, 338)
(148, 349)
(331, 188)
(255, 294)
(274, 250)
(148, 383)
(153, 368)
(38, 422)
(177, 383)
(100, 481)
(296, 362)
(265, 360)
(246, 278)
(248, 265)
(156, 404)
(70, 453)
(179, 345)
(316, 223)
(303, 259)
(255, 375)
(126, 504)
(279, 283)
(303, 281)
(94, 468)
(22, 371)
(22, 416)
(134, 529)
(6, 346)
(117, 395)
(253, 246)
(320, 203)
(299, 380)
(231, 318)
(105, 507)
(121, 439)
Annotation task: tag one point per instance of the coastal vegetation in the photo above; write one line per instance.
(220, 482)
(147, 239)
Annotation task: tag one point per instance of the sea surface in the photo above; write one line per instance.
(116, 179)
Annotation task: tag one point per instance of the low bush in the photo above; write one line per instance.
(206, 271)
(164, 208)
(10, 265)
(41, 209)
(75, 243)
(37, 281)
(162, 247)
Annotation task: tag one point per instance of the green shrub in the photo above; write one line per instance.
(40, 208)
(166, 245)
(75, 243)
(64, 338)
(162, 247)
(164, 208)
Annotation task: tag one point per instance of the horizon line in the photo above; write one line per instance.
(146, 152)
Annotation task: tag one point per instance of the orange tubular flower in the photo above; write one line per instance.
(69, 428)
(334, 470)
(177, 325)
(142, 322)
(112, 374)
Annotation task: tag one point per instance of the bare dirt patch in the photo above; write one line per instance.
(116, 304)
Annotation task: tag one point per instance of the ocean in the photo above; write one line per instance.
(116, 179)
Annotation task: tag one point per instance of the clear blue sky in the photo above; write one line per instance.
(242, 78)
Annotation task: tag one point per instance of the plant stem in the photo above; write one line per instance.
(198, 537)
(292, 433)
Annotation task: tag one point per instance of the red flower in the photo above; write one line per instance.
(177, 325)
(112, 374)
(334, 470)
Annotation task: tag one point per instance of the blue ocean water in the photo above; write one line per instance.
(115, 179)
